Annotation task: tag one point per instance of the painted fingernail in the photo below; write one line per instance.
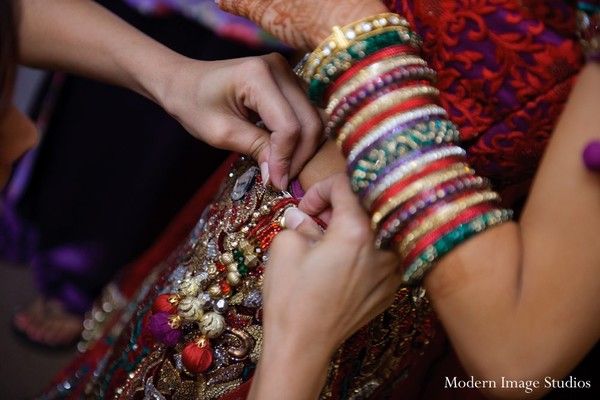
(293, 217)
(264, 173)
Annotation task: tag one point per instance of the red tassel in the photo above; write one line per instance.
(166, 303)
(197, 356)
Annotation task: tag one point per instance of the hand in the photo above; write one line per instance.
(324, 287)
(218, 102)
(302, 24)
(318, 290)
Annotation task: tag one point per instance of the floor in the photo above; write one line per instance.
(24, 370)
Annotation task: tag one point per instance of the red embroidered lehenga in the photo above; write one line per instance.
(505, 70)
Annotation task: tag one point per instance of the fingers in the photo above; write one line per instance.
(254, 141)
(259, 92)
(300, 222)
(348, 220)
(288, 245)
(311, 127)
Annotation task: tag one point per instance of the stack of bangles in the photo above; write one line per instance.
(385, 114)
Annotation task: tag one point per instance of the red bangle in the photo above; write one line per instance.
(388, 52)
(418, 220)
(367, 126)
(399, 186)
(433, 236)
(369, 99)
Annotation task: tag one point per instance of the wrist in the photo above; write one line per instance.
(290, 368)
(164, 82)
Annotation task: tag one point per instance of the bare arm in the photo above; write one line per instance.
(79, 36)
(212, 100)
(521, 299)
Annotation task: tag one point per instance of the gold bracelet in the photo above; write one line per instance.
(442, 216)
(342, 38)
(335, 58)
(436, 178)
(382, 104)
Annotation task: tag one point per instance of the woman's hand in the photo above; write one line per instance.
(302, 24)
(218, 102)
(318, 290)
(215, 101)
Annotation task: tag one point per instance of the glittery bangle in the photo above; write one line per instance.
(382, 104)
(391, 56)
(317, 87)
(357, 133)
(429, 111)
(399, 142)
(350, 111)
(338, 62)
(398, 219)
(341, 105)
(434, 235)
(348, 33)
(405, 166)
(417, 269)
(393, 202)
(442, 216)
(384, 71)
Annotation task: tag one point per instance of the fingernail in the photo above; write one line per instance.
(293, 217)
(284, 182)
(264, 173)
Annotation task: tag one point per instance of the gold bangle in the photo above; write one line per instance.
(342, 38)
(334, 57)
(380, 105)
(436, 178)
(442, 216)
(372, 71)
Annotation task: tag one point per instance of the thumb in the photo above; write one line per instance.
(300, 222)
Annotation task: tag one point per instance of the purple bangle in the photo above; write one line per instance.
(387, 137)
(443, 151)
(448, 189)
(360, 95)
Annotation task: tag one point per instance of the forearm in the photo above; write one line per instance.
(81, 37)
(521, 299)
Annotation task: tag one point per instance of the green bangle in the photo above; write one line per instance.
(425, 261)
(345, 59)
(421, 135)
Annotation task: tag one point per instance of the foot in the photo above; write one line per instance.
(47, 323)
